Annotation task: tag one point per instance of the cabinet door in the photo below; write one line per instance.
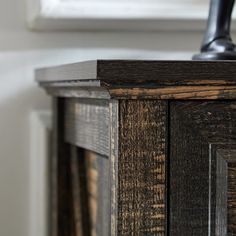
(202, 170)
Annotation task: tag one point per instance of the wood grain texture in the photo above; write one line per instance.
(113, 165)
(220, 156)
(98, 193)
(151, 73)
(221, 193)
(139, 72)
(118, 109)
(84, 192)
(92, 189)
(57, 141)
(73, 90)
(231, 203)
(176, 92)
(61, 200)
(129, 79)
(141, 168)
(90, 193)
(87, 124)
(197, 126)
(228, 174)
(76, 190)
(207, 91)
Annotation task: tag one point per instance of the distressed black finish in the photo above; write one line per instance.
(143, 148)
(142, 168)
(61, 198)
(198, 131)
(226, 191)
(130, 73)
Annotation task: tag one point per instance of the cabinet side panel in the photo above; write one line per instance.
(142, 167)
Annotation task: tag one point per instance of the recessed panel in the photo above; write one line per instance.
(199, 198)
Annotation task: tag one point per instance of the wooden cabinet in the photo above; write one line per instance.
(143, 148)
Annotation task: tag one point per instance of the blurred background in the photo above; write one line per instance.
(42, 33)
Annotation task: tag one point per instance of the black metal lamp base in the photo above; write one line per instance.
(212, 56)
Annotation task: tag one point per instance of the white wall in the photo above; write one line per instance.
(21, 52)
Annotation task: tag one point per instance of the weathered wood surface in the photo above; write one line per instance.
(90, 193)
(226, 186)
(197, 130)
(113, 165)
(127, 79)
(79, 224)
(68, 91)
(92, 188)
(140, 72)
(142, 168)
(61, 201)
(182, 92)
(98, 193)
(57, 148)
(176, 92)
(119, 110)
(84, 193)
(87, 124)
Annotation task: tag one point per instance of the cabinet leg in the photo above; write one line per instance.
(139, 169)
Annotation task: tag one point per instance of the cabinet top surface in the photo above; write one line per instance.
(114, 75)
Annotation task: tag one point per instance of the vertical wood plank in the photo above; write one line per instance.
(76, 188)
(113, 165)
(231, 203)
(60, 190)
(98, 193)
(57, 125)
(221, 194)
(141, 167)
(226, 191)
(90, 193)
(92, 189)
(81, 193)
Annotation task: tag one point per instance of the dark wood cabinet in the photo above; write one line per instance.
(202, 188)
(143, 148)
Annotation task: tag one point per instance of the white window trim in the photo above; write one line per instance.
(123, 15)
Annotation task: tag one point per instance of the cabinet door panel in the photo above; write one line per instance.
(202, 168)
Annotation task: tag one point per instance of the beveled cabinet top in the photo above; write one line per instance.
(134, 79)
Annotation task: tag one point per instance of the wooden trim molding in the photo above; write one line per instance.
(225, 191)
(131, 79)
(41, 128)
